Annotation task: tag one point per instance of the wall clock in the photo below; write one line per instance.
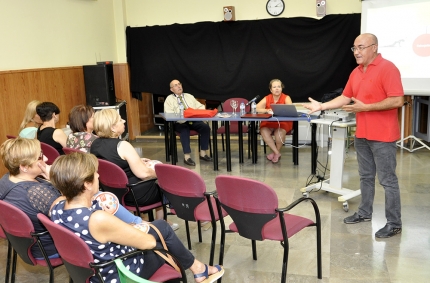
(275, 7)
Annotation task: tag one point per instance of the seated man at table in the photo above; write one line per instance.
(171, 105)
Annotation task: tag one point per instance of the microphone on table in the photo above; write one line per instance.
(252, 100)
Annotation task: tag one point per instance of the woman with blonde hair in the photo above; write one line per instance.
(108, 126)
(31, 121)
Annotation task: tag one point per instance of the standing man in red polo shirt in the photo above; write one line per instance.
(375, 91)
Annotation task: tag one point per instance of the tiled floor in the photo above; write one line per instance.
(350, 252)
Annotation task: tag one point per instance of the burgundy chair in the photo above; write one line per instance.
(79, 260)
(186, 192)
(9, 254)
(68, 150)
(234, 126)
(113, 179)
(10, 137)
(50, 152)
(20, 233)
(253, 206)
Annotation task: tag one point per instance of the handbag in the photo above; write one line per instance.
(199, 113)
(168, 258)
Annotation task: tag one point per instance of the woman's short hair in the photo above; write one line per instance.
(70, 172)
(29, 114)
(104, 121)
(46, 109)
(19, 151)
(275, 80)
(79, 116)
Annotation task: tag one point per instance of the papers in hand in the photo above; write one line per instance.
(223, 115)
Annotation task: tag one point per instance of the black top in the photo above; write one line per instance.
(46, 136)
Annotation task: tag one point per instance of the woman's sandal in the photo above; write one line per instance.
(213, 277)
(276, 158)
(270, 156)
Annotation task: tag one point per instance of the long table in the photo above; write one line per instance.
(170, 136)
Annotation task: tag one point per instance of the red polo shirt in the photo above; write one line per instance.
(381, 80)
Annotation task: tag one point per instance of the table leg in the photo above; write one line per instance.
(314, 149)
(173, 149)
(254, 141)
(166, 140)
(227, 145)
(240, 141)
(296, 142)
(215, 144)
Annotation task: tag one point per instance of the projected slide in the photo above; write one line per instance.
(403, 31)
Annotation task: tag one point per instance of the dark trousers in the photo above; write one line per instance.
(184, 133)
(174, 245)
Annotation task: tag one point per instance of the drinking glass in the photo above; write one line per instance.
(233, 104)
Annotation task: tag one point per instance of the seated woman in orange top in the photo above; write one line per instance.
(278, 129)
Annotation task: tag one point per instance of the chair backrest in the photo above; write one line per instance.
(113, 179)
(183, 187)
(50, 152)
(10, 136)
(74, 252)
(18, 228)
(227, 107)
(68, 150)
(250, 203)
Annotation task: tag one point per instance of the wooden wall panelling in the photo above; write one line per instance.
(62, 86)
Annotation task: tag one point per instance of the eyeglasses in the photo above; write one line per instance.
(40, 156)
(360, 47)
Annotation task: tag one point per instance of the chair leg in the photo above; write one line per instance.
(285, 262)
(254, 249)
(187, 228)
(199, 230)
(13, 272)
(9, 258)
(213, 240)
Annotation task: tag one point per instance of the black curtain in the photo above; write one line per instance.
(219, 60)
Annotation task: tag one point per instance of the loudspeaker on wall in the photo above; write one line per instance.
(99, 85)
(229, 15)
(321, 8)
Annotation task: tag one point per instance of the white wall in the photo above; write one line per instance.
(165, 12)
(60, 33)
(55, 33)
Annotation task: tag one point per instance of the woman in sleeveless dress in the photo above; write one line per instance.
(278, 129)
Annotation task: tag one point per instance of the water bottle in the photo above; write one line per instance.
(181, 110)
(253, 108)
(242, 109)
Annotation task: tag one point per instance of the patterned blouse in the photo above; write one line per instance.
(81, 141)
(76, 220)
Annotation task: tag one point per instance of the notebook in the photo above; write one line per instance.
(285, 110)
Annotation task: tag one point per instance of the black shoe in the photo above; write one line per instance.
(355, 218)
(388, 231)
(206, 158)
(190, 162)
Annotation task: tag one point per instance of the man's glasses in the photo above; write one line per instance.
(360, 47)
(41, 155)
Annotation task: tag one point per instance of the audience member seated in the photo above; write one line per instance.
(171, 105)
(49, 113)
(24, 188)
(81, 119)
(108, 237)
(278, 129)
(31, 121)
(108, 126)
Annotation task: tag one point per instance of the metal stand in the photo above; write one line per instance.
(414, 139)
(334, 184)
